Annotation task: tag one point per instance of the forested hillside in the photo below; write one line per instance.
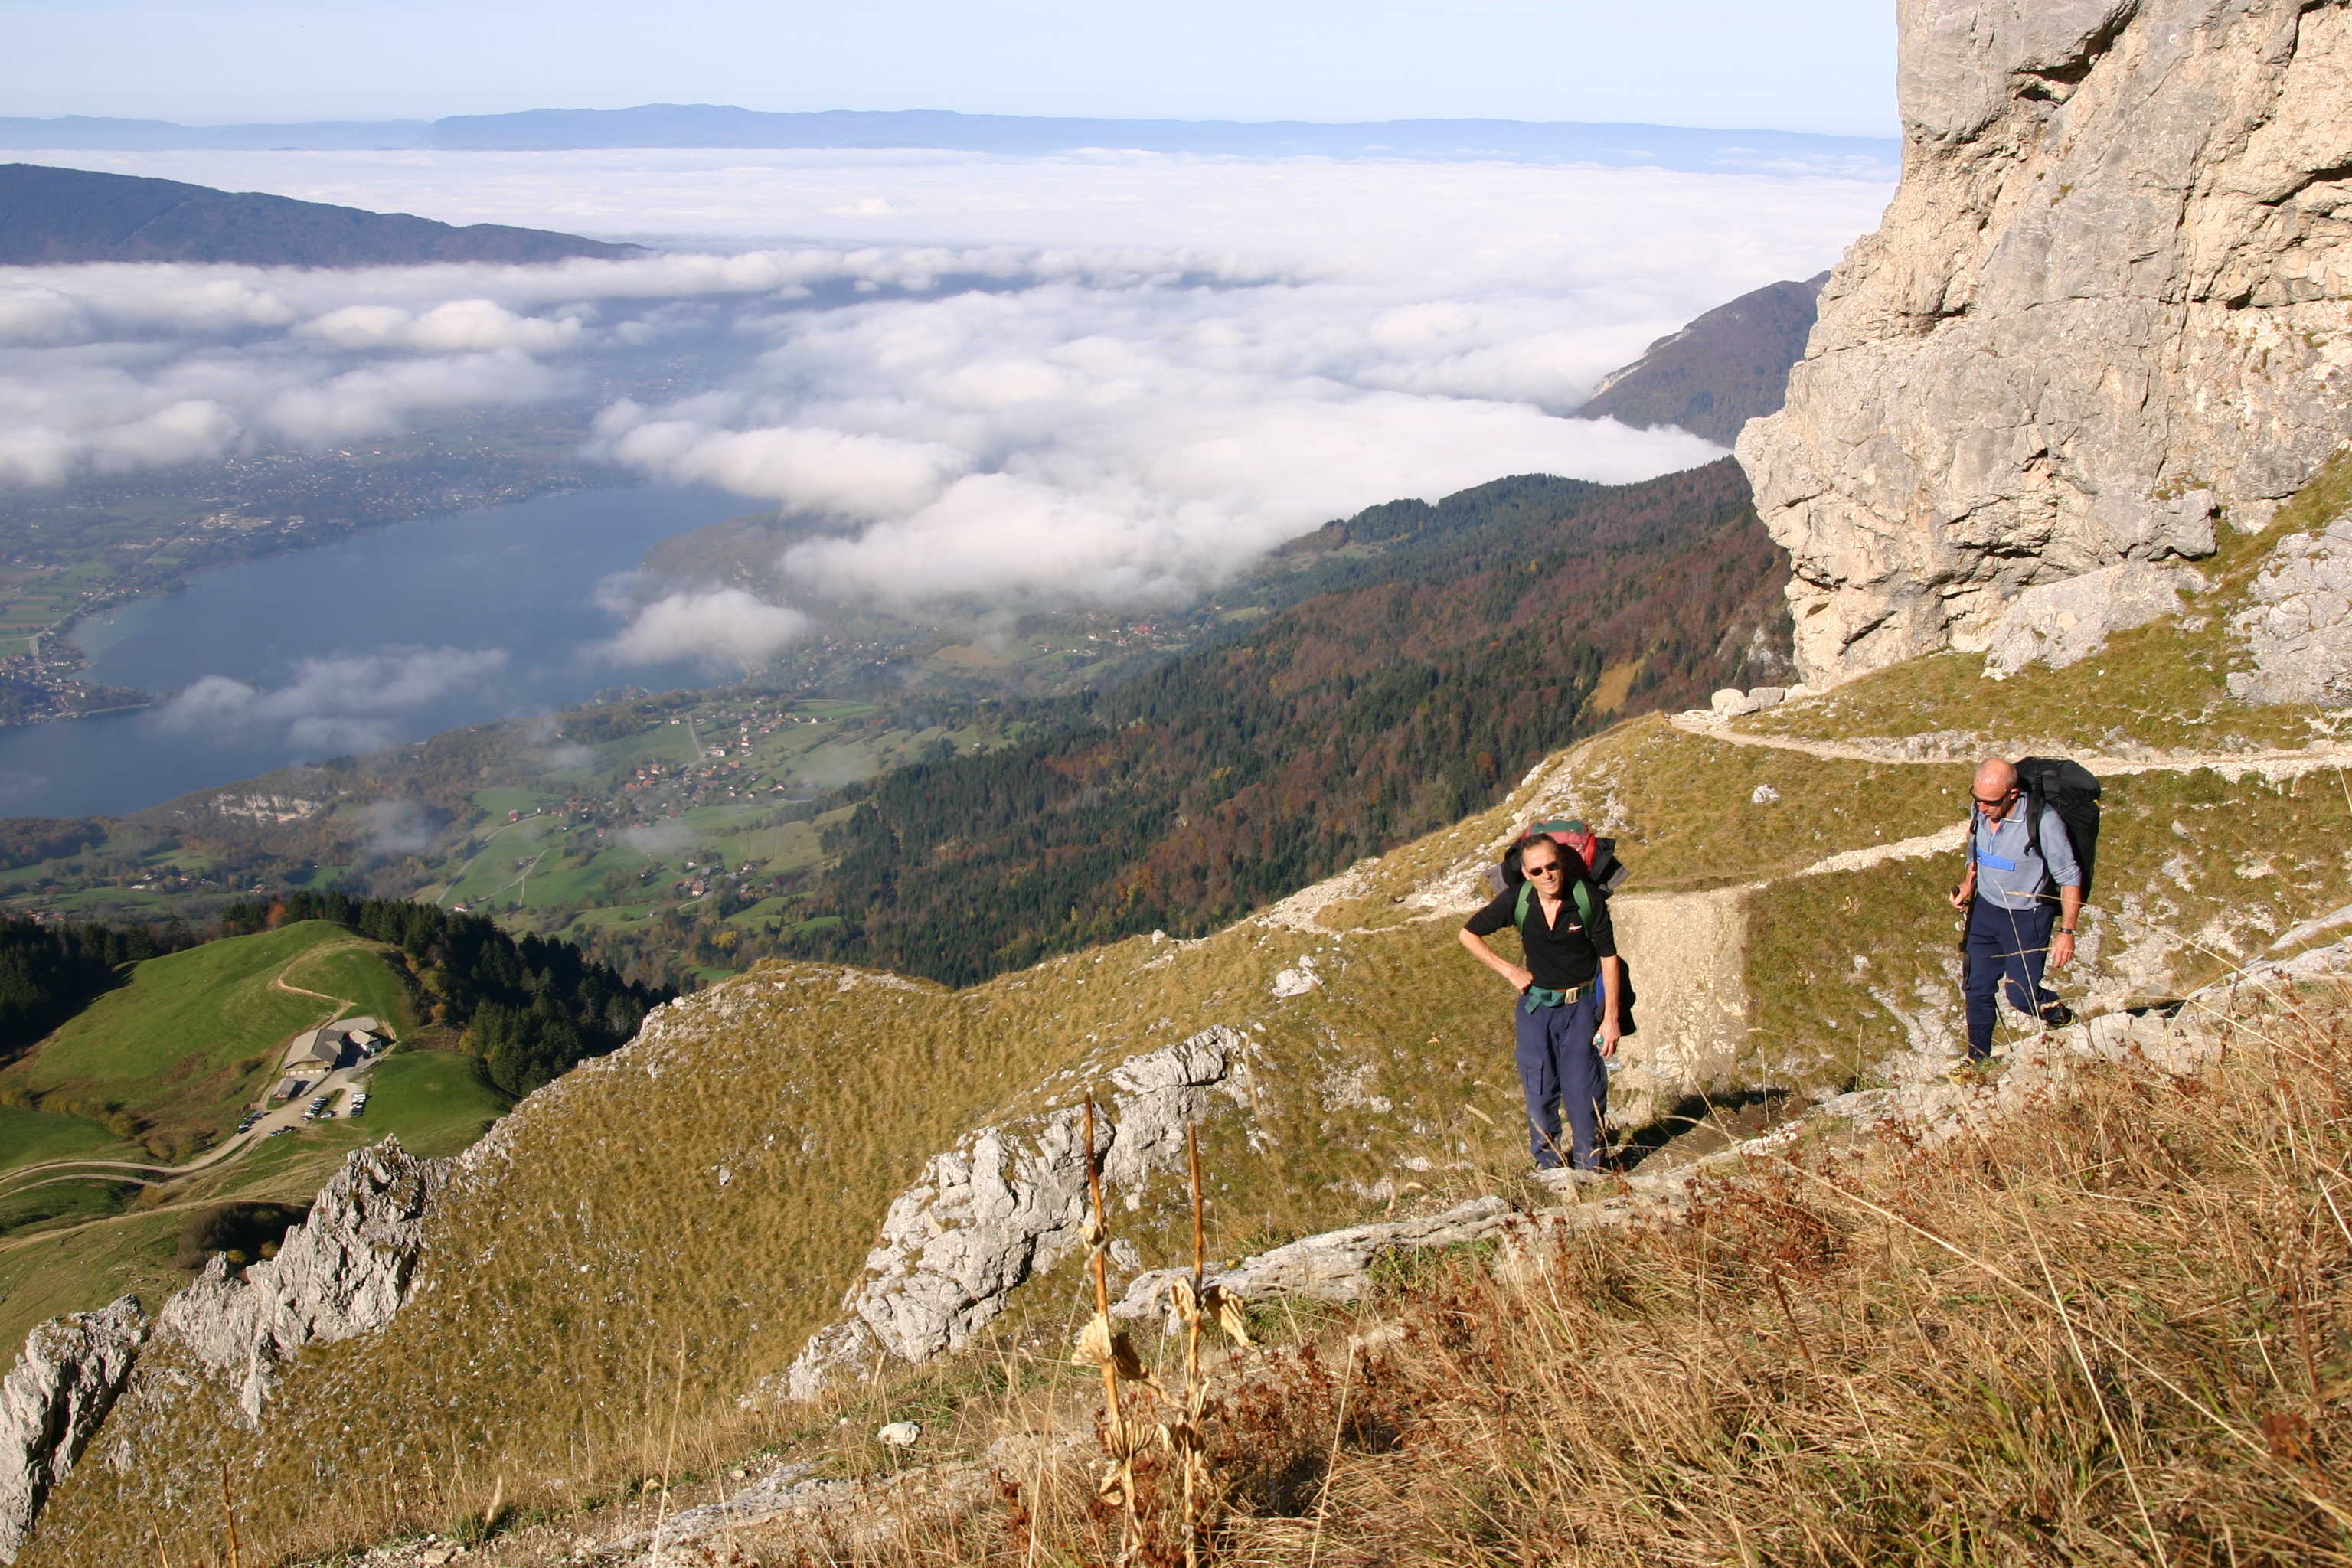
(1450, 648)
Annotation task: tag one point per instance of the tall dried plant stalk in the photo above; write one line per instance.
(228, 1519)
(1099, 1345)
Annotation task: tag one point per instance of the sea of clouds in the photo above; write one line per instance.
(1110, 379)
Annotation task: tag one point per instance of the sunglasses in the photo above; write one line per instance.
(1545, 869)
(1996, 800)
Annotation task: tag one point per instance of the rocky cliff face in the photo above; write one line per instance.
(344, 1271)
(63, 1383)
(2110, 310)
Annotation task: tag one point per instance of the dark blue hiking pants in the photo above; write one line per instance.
(2004, 947)
(1559, 1065)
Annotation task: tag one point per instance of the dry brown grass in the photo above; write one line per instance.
(2117, 1330)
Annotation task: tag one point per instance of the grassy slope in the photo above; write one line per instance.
(796, 1081)
(435, 1102)
(29, 1137)
(359, 974)
(194, 1034)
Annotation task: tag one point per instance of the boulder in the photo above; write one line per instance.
(2298, 630)
(1010, 1201)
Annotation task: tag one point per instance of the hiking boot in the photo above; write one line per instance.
(2057, 1015)
(1968, 1070)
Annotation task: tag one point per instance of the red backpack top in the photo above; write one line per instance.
(1596, 858)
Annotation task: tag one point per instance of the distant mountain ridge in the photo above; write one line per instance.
(1723, 369)
(56, 217)
(1614, 144)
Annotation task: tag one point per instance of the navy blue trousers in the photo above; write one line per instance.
(1559, 1065)
(2004, 947)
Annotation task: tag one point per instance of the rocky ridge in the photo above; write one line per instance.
(1010, 1201)
(345, 1270)
(51, 1403)
(1336, 1052)
(2161, 187)
(1921, 1106)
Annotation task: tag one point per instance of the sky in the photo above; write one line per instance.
(1795, 65)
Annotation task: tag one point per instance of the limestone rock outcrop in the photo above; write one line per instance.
(2298, 628)
(60, 1389)
(1010, 1201)
(2063, 623)
(344, 1271)
(2109, 309)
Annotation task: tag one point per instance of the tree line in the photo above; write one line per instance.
(49, 973)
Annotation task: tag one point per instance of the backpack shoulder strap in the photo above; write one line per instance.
(1583, 895)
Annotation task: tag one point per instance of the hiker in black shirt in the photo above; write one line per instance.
(1561, 1010)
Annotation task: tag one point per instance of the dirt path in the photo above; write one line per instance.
(2269, 764)
(36, 1238)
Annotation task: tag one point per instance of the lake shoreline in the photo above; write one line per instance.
(385, 636)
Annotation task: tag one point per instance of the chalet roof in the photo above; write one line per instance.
(323, 1044)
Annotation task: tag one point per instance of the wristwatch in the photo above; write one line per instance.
(2065, 930)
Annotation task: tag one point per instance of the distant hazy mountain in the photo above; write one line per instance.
(1723, 369)
(718, 125)
(54, 216)
(82, 132)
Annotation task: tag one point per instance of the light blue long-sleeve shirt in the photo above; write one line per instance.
(2009, 874)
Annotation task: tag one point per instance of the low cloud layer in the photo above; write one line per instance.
(660, 839)
(1111, 379)
(332, 705)
(394, 827)
(726, 628)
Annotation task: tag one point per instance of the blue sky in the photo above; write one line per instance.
(1800, 65)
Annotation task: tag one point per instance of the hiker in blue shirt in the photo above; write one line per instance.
(2023, 894)
(1561, 1010)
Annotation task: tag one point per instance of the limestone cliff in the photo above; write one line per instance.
(52, 1400)
(344, 1271)
(2109, 309)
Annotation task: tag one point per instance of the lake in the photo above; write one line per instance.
(391, 636)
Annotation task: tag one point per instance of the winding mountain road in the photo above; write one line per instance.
(151, 1172)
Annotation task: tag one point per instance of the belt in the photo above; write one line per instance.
(1535, 997)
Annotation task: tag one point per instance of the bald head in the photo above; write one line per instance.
(1995, 778)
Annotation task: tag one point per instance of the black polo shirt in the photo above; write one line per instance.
(1561, 957)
